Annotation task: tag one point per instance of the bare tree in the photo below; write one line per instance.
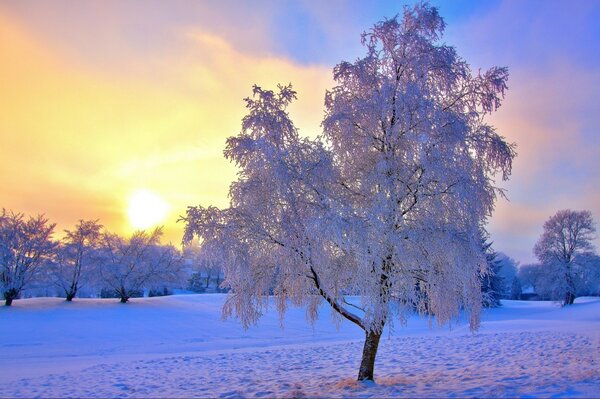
(25, 244)
(130, 265)
(566, 240)
(387, 204)
(76, 257)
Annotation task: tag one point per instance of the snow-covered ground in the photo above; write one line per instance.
(178, 346)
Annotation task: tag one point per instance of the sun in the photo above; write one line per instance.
(146, 209)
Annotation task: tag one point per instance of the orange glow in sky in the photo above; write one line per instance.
(99, 99)
(76, 140)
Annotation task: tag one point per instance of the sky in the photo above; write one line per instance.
(106, 102)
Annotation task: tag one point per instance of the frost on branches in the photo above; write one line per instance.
(387, 204)
(131, 264)
(76, 257)
(565, 247)
(25, 245)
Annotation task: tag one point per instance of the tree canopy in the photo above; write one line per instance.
(388, 203)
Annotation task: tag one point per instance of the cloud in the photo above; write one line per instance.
(99, 99)
(553, 118)
(79, 140)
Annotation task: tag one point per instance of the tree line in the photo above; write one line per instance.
(87, 256)
(568, 265)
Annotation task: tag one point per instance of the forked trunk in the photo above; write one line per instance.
(70, 295)
(8, 302)
(367, 364)
(124, 299)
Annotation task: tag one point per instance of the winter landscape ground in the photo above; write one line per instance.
(178, 346)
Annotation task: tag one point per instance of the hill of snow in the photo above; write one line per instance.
(178, 346)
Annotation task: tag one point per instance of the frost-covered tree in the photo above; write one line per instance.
(492, 284)
(25, 245)
(205, 268)
(567, 237)
(387, 204)
(76, 257)
(587, 275)
(138, 262)
(507, 272)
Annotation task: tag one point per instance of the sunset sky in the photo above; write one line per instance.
(103, 100)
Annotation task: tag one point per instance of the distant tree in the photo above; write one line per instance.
(542, 279)
(492, 284)
(387, 204)
(130, 265)
(206, 268)
(529, 275)
(159, 291)
(567, 237)
(196, 283)
(587, 275)
(548, 282)
(507, 272)
(516, 289)
(25, 245)
(77, 256)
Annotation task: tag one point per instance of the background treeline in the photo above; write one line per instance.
(568, 265)
(89, 261)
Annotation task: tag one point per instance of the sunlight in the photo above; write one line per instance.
(146, 209)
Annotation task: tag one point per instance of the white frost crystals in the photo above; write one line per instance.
(386, 204)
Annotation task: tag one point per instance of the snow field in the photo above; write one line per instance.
(178, 347)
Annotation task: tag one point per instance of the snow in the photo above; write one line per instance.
(179, 346)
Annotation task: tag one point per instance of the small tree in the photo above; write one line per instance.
(507, 273)
(566, 238)
(76, 257)
(25, 244)
(130, 265)
(387, 204)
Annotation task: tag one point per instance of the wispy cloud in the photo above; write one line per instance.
(79, 140)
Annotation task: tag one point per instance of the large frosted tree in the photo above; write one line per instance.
(564, 246)
(387, 204)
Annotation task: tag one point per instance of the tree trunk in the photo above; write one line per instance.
(367, 364)
(569, 298)
(71, 294)
(124, 299)
(10, 295)
(570, 294)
